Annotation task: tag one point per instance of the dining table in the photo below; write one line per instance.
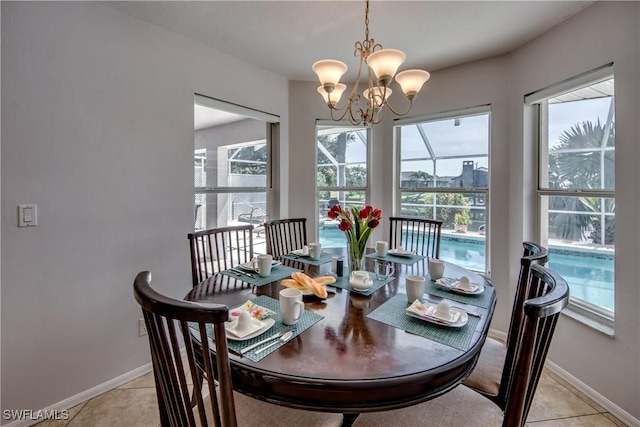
(354, 351)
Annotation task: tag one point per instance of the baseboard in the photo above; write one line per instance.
(608, 405)
(86, 395)
(601, 400)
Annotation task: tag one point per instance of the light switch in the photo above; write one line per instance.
(27, 215)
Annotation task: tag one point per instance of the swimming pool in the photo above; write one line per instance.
(590, 274)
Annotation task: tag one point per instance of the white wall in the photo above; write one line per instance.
(97, 130)
(605, 32)
(602, 33)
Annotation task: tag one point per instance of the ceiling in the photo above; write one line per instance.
(287, 37)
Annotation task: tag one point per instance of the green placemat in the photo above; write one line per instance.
(325, 257)
(308, 319)
(392, 313)
(277, 272)
(481, 300)
(397, 259)
(343, 283)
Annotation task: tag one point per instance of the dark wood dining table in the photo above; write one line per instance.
(348, 363)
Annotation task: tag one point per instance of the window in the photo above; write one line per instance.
(576, 187)
(342, 175)
(232, 165)
(444, 175)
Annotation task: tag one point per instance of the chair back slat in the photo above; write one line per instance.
(170, 325)
(541, 314)
(416, 234)
(285, 235)
(218, 249)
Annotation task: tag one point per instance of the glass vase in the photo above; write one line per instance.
(356, 255)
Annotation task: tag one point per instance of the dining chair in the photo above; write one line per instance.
(548, 295)
(217, 249)
(416, 234)
(173, 326)
(285, 235)
(488, 377)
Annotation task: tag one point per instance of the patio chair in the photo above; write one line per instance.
(285, 235)
(490, 372)
(416, 234)
(220, 248)
(548, 295)
(171, 324)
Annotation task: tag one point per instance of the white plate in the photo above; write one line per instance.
(401, 252)
(475, 289)
(248, 266)
(264, 326)
(359, 286)
(427, 311)
(300, 252)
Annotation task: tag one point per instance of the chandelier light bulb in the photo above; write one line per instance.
(336, 94)
(377, 96)
(329, 72)
(411, 81)
(385, 64)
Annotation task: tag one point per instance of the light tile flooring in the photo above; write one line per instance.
(556, 404)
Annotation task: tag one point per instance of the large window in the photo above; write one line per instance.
(342, 175)
(232, 165)
(444, 175)
(576, 187)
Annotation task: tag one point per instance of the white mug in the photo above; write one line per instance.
(415, 288)
(381, 248)
(264, 265)
(315, 250)
(383, 269)
(436, 268)
(291, 305)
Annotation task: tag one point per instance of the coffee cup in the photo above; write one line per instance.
(463, 283)
(442, 310)
(383, 269)
(315, 250)
(264, 265)
(415, 288)
(360, 279)
(244, 322)
(381, 248)
(436, 268)
(291, 305)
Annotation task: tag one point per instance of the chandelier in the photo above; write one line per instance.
(381, 64)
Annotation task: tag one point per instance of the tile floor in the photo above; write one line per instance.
(556, 404)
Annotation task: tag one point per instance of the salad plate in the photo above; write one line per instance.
(454, 286)
(401, 253)
(256, 328)
(427, 311)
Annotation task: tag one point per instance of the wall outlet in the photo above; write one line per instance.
(142, 328)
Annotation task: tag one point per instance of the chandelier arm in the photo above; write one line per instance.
(386, 104)
(346, 109)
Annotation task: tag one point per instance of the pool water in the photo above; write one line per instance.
(590, 277)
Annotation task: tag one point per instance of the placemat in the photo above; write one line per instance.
(397, 259)
(325, 257)
(277, 272)
(343, 283)
(392, 313)
(308, 319)
(480, 300)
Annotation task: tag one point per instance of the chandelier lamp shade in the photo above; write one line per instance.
(381, 67)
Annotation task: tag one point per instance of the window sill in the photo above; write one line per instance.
(591, 317)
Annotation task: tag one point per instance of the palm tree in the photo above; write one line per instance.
(581, 161)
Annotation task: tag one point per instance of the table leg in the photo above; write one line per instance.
(349, 419)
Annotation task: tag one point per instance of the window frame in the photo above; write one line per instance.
(584, 311)
(321, 123)
(484, 191)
